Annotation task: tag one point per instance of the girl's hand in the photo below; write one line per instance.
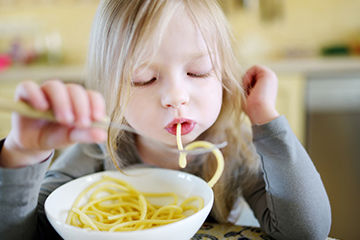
(32, 140)
(260, 84)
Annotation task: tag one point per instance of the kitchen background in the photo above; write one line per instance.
(313, 46)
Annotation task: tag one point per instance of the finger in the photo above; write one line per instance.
(97, 105)
(59, 99)
(88, 135)
(80, 103)
(257, 74)
(249, 79)
(31, 93)
(57, 136)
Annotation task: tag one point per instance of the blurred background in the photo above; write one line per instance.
(313, 46)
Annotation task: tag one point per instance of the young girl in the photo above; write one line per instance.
(159, 63)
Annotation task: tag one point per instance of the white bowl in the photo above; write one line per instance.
(60, 201)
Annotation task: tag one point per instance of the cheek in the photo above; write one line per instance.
(212, 101)
(131, 114)
(217, 92)
(133, 111)
(218, 98)
(140, 107)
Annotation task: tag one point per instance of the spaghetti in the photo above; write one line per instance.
(114, 205)
(200, 144)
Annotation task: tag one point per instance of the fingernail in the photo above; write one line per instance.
(43, 105)
(78, 135)
(101, 137)
(69, 117)
(98, 116)
(85, 122)
(85, 135)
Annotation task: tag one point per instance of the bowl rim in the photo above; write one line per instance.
(95, 175)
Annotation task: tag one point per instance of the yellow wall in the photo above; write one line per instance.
(72, 20)
(305, 24)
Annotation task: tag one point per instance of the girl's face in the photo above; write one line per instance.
(178, 85)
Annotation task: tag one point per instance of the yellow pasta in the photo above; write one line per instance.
(114, 205)
(200, 144)
(182, 156)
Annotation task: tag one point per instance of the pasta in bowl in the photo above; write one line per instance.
(150, 203)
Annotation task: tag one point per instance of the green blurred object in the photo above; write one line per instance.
(336, 50)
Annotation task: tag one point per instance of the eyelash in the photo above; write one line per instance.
(195, 75)
(140, 84)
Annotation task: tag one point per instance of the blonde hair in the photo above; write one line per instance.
(124, 31)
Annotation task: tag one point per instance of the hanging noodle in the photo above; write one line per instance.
(200, 144)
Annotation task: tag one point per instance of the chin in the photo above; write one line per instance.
(190, 137)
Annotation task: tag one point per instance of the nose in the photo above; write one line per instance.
(175, 96)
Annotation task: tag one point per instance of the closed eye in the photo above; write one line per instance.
(144, 83)
(198, 75)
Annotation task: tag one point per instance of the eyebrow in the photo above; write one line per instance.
(189, 57)
(199, 55)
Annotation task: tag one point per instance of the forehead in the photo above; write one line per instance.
(175, 37)
(182, 37)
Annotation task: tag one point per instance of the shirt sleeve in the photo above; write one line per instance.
(23, 192)
(19, 189)
(289, 198)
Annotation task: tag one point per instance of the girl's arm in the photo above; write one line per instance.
(30, 141)
(288, 199)
(19, 189)
(23, 192)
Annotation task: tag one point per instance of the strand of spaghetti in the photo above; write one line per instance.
(121, 182)
(108, 188)
(182, 157)
(76, 202)
(192, 199)
(158, 195)
(152, 221)
(106, 198)
(143, 206)
(218, 155)
(105, 226)
(85, 218)
(114, 217)
(200, 144)
(167, 208)
(98, 215)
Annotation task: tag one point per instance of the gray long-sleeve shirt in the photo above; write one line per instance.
(289, 200)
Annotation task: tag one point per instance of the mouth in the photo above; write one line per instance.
(187, 126)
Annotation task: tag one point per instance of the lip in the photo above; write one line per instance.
(187, 125)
